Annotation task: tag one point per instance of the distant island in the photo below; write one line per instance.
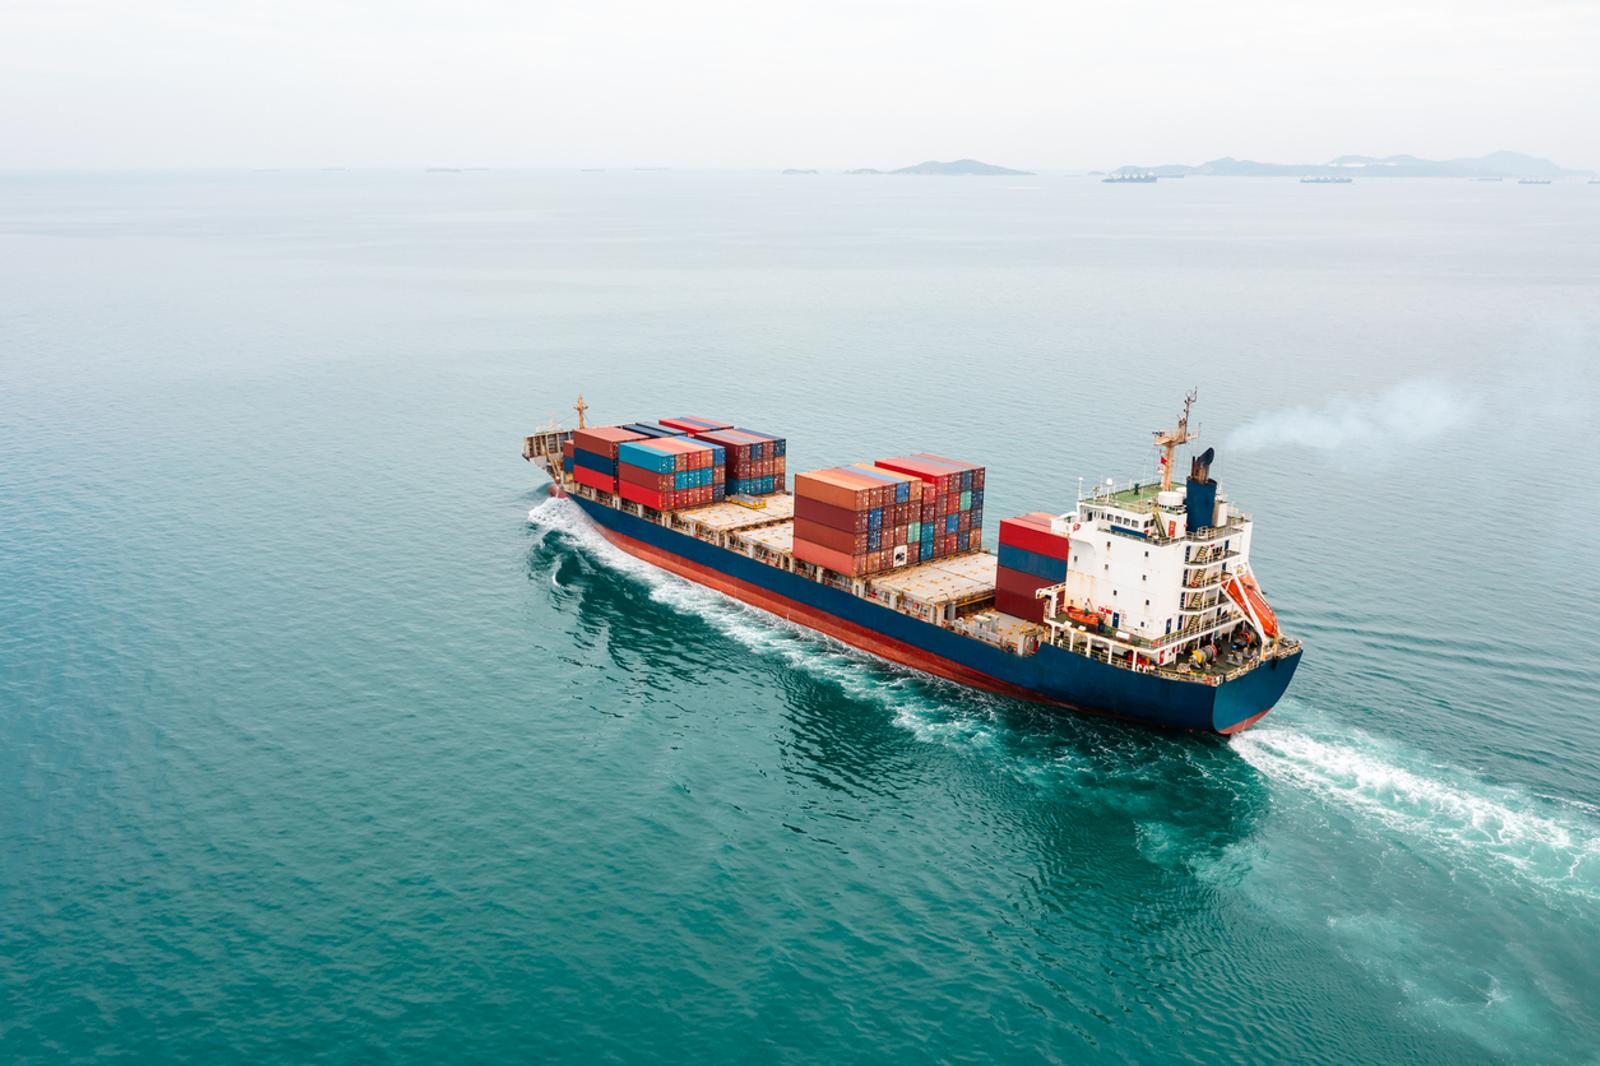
(796, 170)
(1493, 165)
(959, 167)
(864, 170)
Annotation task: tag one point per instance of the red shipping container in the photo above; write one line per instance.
(826, 514)
(603, 440)
(964, 521)
(566, 448)
(958, 466)
(1032, 532)
(899, 535)
(839, 562)
(840, 540)
(952, 502)
(694, 424)
(839, 487)
(1019, 582)
(906, 464)
(645, 479)
(1019, 606)
(594, 479)
(890, 494)
(648, 497)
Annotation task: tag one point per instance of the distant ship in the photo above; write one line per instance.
(1132, 177)
(1326, 179)
(1534, 181)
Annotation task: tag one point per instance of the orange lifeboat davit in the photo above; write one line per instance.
(1243, 590)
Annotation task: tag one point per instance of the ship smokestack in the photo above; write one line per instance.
(1200, 496)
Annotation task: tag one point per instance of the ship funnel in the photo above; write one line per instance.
(1200, 494)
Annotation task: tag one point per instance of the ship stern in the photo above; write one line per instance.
(1242, 701)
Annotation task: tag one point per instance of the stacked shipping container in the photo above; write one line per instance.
(654, 429)
(1032, 557)
(594, 455)
(690, 424)
(755, 460)
(668, 473)
(857, 520)
(952, 502)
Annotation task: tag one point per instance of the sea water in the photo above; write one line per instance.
(316, 744)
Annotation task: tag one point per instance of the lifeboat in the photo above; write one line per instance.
(1084, 618)
(1243, 590)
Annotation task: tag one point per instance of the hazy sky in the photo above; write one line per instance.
(687, 83)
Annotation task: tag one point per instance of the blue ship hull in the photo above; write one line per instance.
(1051, 675)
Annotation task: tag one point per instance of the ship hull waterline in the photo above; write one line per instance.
(1051, 676)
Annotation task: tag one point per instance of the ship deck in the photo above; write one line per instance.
(726, 517)
(957, 579)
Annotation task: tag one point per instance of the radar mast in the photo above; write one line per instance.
(1169, 439)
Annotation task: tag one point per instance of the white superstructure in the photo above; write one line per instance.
(1165, 570)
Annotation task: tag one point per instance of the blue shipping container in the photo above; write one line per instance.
(875, 518)
(952, 522)
(591, 461)
(774, 448)
(1040, 566)
(646, 458)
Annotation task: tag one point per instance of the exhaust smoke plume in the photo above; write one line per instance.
(1406, 413)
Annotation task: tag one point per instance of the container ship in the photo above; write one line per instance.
(1137, 603)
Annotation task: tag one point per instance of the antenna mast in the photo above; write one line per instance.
(582, 409)
(1169, 439)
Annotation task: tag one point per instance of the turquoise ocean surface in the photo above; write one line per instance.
(315, 747)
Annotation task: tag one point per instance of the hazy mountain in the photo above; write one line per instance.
(958, 166)
(797, 170)
(1495, 164)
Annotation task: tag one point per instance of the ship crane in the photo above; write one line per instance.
(1169, 439)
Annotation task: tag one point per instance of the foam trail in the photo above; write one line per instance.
(757, 630)
(1557, 849)
(1406, 413)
